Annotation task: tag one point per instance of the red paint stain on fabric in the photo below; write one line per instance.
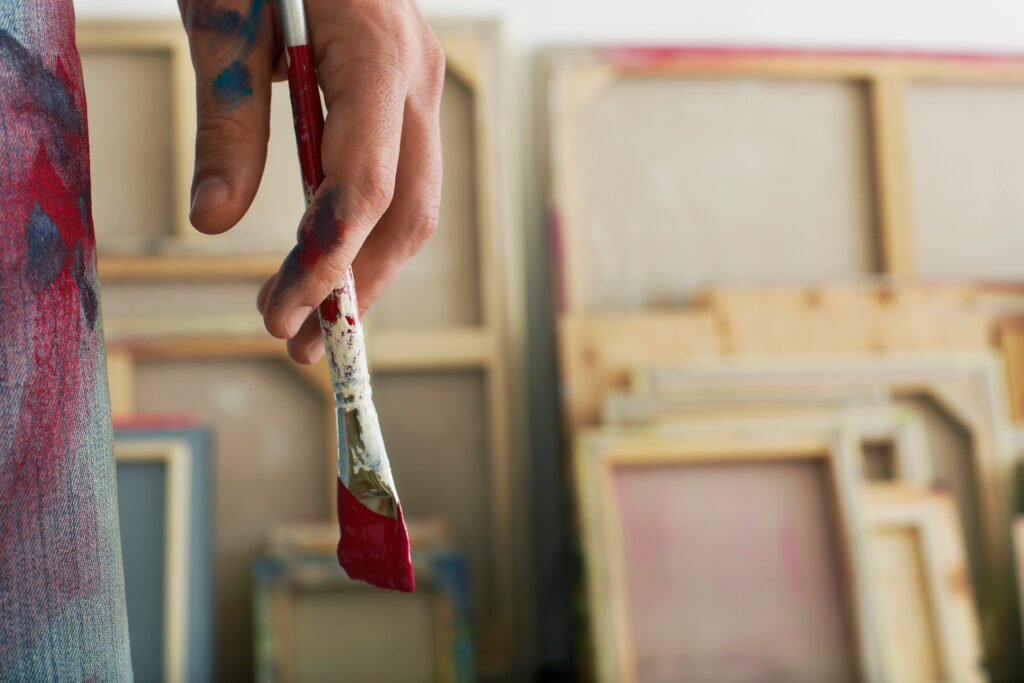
(373, 548)
(48, 529)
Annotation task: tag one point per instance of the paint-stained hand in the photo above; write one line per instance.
(381, 70)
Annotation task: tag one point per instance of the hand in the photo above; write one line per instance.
(381, 70)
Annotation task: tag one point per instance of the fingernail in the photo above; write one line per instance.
(294, 319)
(211, 193)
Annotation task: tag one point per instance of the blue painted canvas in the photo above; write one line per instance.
(141, 494)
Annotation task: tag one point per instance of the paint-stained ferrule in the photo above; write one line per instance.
(363, 465)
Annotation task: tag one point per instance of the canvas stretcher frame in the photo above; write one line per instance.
(176, 457)
(440, 572)
(599, 451)
(870, 422)
(577, 75)
(970, 387)
(932, 518)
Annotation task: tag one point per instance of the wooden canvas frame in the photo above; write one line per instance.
(167, 37)
(177, 458)
(599, 451)
(493, 345)
(970, 387)
(897, 424)
(598, 350)
(439, 571)
(932, 517)
(577, 75)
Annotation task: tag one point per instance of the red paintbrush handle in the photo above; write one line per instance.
(339, 313)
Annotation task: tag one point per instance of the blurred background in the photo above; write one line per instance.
(720, 378)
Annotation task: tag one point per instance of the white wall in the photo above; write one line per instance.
(990, 25)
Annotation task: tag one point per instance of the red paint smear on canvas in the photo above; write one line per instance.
(373, 547)
(790, 549)
(653, 55)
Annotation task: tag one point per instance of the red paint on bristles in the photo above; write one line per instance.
(373, 547)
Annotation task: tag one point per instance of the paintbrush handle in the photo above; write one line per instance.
(339, 313)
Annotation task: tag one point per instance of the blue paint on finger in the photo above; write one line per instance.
(233, 84)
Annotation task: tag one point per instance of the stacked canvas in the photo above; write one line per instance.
(784, 370)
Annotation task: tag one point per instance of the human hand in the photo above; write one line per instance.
(381, 70)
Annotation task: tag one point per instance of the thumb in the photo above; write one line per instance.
(232, 48)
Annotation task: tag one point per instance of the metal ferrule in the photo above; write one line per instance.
(293, 23)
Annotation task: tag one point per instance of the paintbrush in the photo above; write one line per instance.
(374, 542)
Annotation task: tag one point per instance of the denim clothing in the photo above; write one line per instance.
(62, 611)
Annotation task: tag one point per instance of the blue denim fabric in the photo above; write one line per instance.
(62, 611)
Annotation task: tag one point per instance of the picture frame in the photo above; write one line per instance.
(599, 452)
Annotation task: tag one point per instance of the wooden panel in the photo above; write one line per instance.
(966, 171)
(130, 147)
(267, 471)
(658, 214)
(718, 552)
(733, 573)
(598, 352)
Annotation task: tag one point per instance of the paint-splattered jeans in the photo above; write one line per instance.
(62, 611)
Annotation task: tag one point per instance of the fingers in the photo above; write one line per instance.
(307, 346)
(233, 43)
(413, 215)
(362, 138)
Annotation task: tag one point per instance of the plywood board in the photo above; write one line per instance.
(723, 552)
(927, 617)
(962, 399)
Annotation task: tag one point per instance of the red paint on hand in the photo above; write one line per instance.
(373, 548)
